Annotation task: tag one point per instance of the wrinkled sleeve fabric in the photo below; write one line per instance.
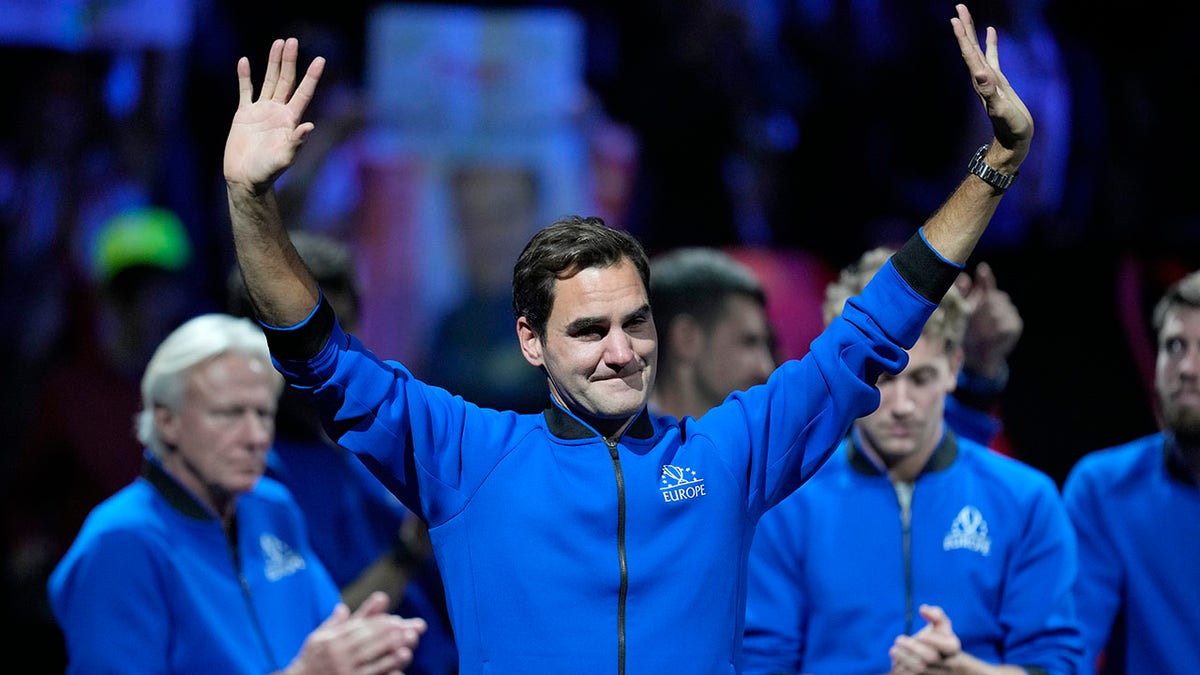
(411, 434)
(788, 427)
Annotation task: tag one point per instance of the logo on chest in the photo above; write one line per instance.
(281, 559)
(680, 483)
(968, 531)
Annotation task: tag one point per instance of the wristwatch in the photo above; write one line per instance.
(1000, 181)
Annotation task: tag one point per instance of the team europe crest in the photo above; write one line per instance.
(680, 483)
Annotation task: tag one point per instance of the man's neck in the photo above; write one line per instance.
(902, 469)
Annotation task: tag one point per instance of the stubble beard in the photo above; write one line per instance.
(1183, 422)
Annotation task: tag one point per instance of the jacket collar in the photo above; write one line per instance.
(179, 498)
(569, 427)
(943, 455)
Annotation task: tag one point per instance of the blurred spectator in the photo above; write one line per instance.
(909, 521)
(1136, 511)
(713, 333)
(495, 209)
(216, 574)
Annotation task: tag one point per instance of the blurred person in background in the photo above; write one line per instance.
(494, 205)
(148, 585)
(1136, 512)
(909, 518)
(713, 334)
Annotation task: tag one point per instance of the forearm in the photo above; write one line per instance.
(956, 227)
(281, 289)
(385, 574)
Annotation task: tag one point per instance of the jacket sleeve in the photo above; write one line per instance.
(788, 427)
(773, 640)
(1098, 587)
(106, 598)
(409, 433)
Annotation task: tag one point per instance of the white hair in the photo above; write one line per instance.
(196, 341)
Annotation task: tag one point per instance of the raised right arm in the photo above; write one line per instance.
(263, 141)
(956, 227)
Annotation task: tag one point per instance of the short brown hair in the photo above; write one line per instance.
(561, 249)
(1182, 293)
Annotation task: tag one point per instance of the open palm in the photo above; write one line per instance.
(266, 133)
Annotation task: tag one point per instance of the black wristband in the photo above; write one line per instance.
(305, 341)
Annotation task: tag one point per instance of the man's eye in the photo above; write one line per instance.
(1174, 346)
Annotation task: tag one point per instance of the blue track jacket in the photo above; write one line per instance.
(1136, 511)
(838, 569)
(565, 552)
(152, 585)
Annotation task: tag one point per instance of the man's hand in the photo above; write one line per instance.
(931, 650)
(266, 133)
(994, 326)
(1011, 122)
(936, 650)
(368, 642)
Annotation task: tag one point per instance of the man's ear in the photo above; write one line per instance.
(687, 337)
(166, 421)
(531, 343)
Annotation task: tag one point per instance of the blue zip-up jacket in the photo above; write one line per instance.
(565, 552)
(838, 569)
(1136, 511)
(151, 584)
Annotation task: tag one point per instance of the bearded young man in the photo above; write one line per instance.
(1136, 511)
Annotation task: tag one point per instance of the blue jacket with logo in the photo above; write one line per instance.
(1136, 510)
(838, 569)
(565, 552)
(152, 584)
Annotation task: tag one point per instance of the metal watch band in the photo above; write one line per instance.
(978, 167)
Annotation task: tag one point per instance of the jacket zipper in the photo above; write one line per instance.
(612, 452)
(245, 586)
(904, 495)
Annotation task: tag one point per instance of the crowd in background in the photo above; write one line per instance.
(739, 124)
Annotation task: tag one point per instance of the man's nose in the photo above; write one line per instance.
(901, 397)
(618, 349)
(259, 429)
